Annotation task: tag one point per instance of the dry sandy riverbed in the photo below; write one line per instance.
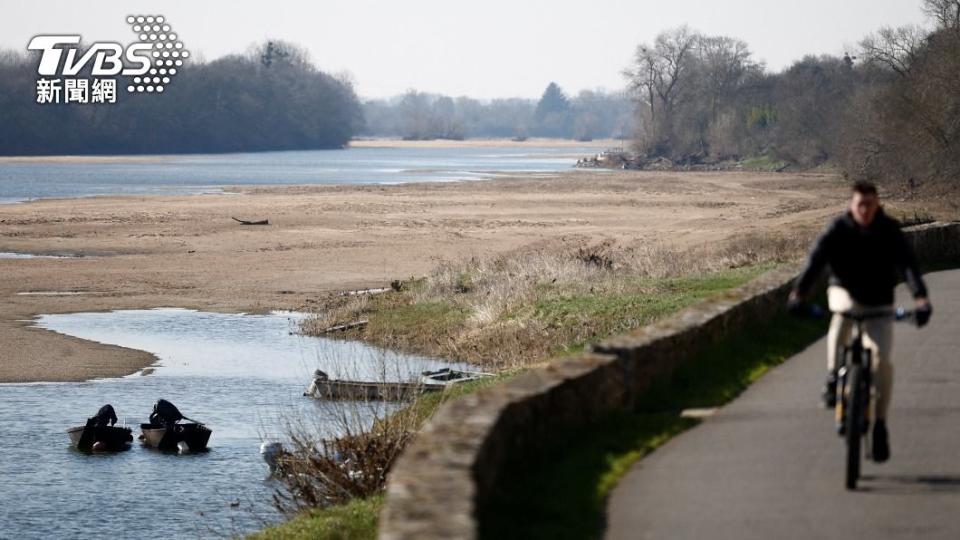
(145, 252)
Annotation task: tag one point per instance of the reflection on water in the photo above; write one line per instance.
(237, 373)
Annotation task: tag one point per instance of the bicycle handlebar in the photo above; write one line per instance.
(898, 314)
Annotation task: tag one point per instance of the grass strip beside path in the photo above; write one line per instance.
(356, 520)
(563, 494)
(510, 324)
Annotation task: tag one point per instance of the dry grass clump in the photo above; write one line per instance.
(345, 450)
(318, 470)
(525, 307)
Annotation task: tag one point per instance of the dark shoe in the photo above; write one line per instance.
(830, 391)
(881, 446)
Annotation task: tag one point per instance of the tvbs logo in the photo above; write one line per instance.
(149, 63)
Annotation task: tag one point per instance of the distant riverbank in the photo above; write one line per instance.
(359, 142)
(367, 162)
(534, 142)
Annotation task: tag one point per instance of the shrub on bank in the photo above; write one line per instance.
(522, 308)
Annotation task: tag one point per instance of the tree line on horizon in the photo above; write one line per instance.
(888, 112)
(271, 98)
(274, 98)
(414, 115)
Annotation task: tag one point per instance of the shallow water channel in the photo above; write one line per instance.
(194, 174)
(15, 255)
(239, 374)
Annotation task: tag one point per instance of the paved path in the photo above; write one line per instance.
(769, 465)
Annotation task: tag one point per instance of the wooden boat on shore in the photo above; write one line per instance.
(194, 435)
(323, 387)
(448, 376)
(100, 438)
(334, 389)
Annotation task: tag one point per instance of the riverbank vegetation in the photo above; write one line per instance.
(355, 520)
(888, 112)
(271, 98)
(333, 487)
(524, 308)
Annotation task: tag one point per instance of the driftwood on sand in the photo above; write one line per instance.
(343, 327)
(245, 222)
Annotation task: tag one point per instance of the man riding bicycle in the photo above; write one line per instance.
(865, 250)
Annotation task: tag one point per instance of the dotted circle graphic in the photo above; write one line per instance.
(166, 50)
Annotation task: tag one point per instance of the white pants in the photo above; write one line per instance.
(878, 338)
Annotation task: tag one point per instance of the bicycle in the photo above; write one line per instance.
(856, 393)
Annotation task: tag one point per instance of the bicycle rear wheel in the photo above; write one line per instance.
(854, 421)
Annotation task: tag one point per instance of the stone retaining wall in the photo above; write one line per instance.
(453, 465)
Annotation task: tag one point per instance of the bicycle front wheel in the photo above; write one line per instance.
(854, 424)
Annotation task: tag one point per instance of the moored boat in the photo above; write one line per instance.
(323, 387)
(106, 438)
(194, 435)
(447, 376)
(335, 389)
(164, 432)
(100, 434)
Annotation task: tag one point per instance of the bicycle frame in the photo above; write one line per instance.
(854, 354)
(856, 393)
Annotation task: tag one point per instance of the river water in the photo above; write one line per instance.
(191, 174)
(239, 374)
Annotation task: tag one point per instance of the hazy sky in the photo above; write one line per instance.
(485, 49)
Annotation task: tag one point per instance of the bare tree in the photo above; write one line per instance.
(894, 48)
(912, 135)
(687, 85)
(945, 12)
(415, 114)
(725, 63)
(657, 75)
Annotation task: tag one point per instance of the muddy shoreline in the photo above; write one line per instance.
(186, 251)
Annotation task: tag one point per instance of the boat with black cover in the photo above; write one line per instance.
(100, 434)
(164, 432)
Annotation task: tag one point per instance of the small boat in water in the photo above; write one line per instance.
(99, 434)
(100, 438)
(194, 436)
(164, 432)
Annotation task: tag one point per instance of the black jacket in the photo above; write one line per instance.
(865, 261)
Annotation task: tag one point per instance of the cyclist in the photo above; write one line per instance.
(865, 250)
